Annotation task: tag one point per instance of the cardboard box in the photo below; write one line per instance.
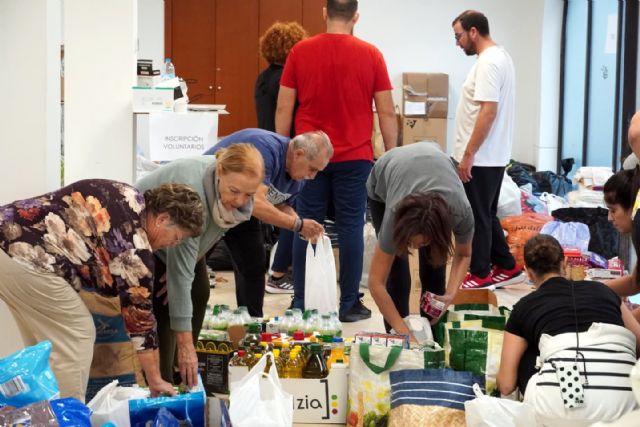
(321, 401)
(424, 130)
(213, 364)
(425, 95)
(148, 99)
(475, 296)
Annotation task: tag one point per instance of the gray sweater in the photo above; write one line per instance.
(181, 259)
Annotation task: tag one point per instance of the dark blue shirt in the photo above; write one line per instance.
(273, 148)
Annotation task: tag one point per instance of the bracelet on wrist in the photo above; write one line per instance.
(297, 226)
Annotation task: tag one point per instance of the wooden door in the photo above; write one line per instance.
(190, 43)
(278, 10)
(312, 19)
(237, 26)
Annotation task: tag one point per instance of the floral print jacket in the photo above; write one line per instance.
(91, 234)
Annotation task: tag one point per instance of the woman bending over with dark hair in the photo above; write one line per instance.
(417, 201)
(564, 326)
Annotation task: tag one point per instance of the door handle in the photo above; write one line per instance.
(219, 87)
(210, 87)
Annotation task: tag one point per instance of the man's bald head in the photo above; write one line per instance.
(634, 134)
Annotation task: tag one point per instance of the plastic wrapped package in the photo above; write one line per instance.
(26, 377)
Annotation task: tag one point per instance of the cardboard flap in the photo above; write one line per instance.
(475, 296)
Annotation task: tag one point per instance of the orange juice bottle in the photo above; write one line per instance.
(337, 352)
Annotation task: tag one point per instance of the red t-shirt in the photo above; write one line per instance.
(336, 76)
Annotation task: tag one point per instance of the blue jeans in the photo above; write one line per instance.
(345, 184)
(282, 257)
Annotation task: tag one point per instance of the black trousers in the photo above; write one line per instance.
(200, 291)
(432, 279)
(489, 247)
(246, 245)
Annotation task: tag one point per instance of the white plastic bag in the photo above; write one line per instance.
(320, 289)
(255, 401)
(509, 200)
(111, 404)
(487, 411)
(553, 201)
(370, 241)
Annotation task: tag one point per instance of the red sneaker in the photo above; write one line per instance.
(502, 277)
(474, 282)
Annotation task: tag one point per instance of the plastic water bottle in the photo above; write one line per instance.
(169, 70)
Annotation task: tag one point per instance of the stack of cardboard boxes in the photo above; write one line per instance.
(425, 108)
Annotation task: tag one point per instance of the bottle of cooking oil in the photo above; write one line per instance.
(292, 368)
(239, 359)
(315, 366)
(278, 361)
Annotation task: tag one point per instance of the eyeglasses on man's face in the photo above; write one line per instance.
(457, 36)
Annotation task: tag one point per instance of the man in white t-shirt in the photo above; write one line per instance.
(484, 134)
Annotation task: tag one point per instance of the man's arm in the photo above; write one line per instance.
(284, 110)
(486, 117)
(387, 117)
(282, 216)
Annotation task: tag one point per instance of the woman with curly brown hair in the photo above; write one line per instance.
(275, 45)
(91, 242)
(417, 202)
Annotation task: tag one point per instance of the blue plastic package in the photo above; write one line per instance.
(71, 412)
(164, 418)
(26, 377)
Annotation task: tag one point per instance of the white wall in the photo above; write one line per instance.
(151, 31)
(100, 68)
(416, 36)
(30, 107)
(29, 112)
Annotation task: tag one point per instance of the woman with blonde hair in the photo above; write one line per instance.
(90, 241)
(226, 184)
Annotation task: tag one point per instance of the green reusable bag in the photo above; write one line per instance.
(477, 351)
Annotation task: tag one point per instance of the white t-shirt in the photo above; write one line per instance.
(492, 78)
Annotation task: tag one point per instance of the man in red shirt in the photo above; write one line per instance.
(335, 77)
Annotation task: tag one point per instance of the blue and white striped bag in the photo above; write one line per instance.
(432, 396)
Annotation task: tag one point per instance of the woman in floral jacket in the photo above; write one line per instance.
(90, 239)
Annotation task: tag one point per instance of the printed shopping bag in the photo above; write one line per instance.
(255, 401)
(320, 289)
(477, 351)
(488, 411)
(369, 387)
(436, 395)
(114, 355)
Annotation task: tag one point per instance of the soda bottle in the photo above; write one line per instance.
(315, 366)
(235, 319)
(287, 322)
(325, 328)
(335, 323)
(244, 312)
